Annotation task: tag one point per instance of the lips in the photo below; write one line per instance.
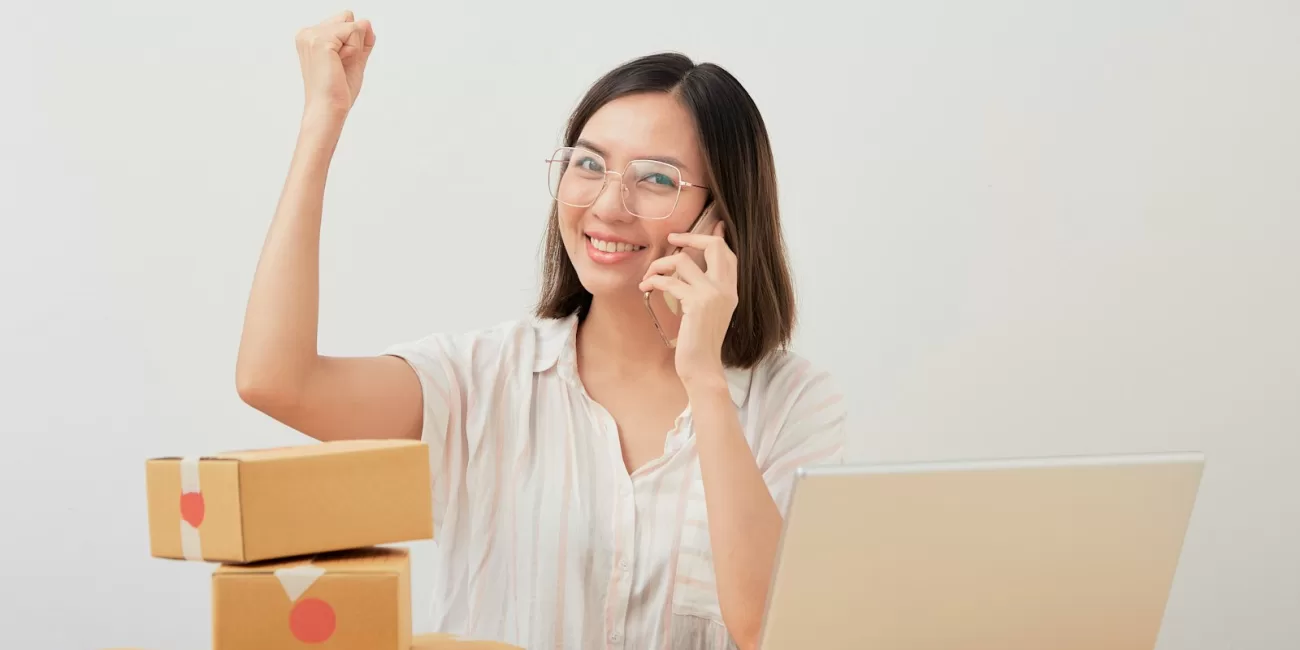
(603, 251)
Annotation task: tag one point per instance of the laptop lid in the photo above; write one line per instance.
(1034, 554)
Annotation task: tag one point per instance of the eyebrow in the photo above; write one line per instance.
(588, 144)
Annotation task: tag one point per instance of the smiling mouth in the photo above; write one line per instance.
(613, 246)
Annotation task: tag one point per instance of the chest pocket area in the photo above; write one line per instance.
(695, 590)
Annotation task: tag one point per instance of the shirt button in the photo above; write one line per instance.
(622, 564)
(615, 637)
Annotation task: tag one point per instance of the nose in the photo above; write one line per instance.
(609, 206)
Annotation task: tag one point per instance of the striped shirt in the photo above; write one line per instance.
(543, 539)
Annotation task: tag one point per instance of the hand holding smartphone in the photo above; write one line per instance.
(670, 322)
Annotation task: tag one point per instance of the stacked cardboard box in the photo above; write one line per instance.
(298, 533)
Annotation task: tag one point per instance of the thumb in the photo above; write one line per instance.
(367, 32)
(340, 35)
(355, 39)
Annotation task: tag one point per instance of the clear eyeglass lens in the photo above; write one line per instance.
(652, 189)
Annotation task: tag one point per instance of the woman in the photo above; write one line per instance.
(594, 486)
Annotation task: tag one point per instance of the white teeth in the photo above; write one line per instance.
(614, 247)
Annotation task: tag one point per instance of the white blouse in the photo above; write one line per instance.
(543, 539)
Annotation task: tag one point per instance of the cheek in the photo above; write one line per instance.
(569, 215)
(569, 218)
(659, 231)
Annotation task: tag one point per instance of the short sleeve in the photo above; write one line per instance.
(808, 414)
(434, 362)
(466, 379)
(443, 365)
(443, 373)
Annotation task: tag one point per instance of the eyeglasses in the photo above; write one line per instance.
(650, 188)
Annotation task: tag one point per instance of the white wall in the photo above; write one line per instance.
(1018, 228)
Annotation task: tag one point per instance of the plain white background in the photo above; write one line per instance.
(1018, 228)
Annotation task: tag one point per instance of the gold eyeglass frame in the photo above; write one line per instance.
(623, 190)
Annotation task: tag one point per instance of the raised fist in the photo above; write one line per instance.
(333, 56)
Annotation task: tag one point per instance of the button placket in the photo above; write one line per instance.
(624, 565)
(621, 563)
(625, 520)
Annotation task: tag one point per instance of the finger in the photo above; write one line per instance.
(680, 264)
(693, 240)
(340, 17)
(367, 40)
(356, 39)
(370, 33)
(717, 255)
(336, 36)
(667, 284)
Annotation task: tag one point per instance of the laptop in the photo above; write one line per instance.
(1029, 554)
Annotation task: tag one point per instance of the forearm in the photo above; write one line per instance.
(744, 522)
(278, 344)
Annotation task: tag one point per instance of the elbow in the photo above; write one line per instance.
(252, 391)
(745, 633)
(747, 640)
(260, 390)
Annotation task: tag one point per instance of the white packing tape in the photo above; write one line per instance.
(189, 474)
(191, 546)
(297, 579)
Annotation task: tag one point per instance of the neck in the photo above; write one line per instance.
(619, 332)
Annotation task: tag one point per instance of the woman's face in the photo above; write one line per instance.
(609, 247)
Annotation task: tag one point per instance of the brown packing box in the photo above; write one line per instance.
(442, 642)
(449, 642)
(274, 503)
(334, 601)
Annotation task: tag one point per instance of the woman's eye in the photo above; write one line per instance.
(660, 179)
(589, 164)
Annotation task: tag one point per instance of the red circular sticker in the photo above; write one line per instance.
(192, 508)
(311, 620)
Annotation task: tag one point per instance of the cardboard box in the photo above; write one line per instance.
(335, 601)
(274, 503)
(449, 642)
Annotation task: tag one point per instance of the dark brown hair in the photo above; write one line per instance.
(742, 175)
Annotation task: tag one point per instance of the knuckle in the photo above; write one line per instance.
(317, 38)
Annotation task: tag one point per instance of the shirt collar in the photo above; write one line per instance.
(555, 346)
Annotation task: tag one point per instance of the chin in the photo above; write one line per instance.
(606, 282)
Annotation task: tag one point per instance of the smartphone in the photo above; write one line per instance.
(657, 301)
